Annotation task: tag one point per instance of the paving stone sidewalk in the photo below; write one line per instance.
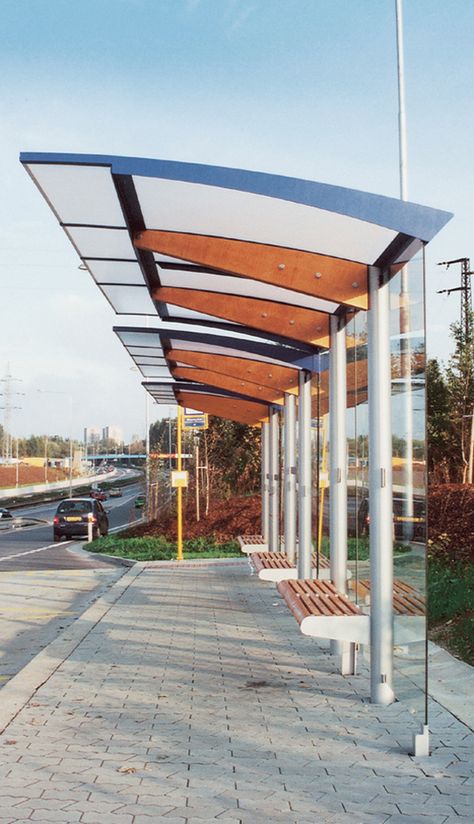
(195, 699)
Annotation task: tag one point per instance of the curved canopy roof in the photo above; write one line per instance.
(213, 246)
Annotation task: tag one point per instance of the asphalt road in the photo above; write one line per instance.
(32, 548)
(45, 586)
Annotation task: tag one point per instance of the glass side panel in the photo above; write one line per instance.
(409, 481)
(80, 194)
(357, 457)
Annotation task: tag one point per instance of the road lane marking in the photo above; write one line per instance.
(32, 551)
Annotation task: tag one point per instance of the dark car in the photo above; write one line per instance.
(140, 502)
(5, 513)
(406, 526)
(73, 516)
(99, 494)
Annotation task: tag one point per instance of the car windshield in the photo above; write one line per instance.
(75, 506)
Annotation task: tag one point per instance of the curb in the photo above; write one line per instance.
(20, 689)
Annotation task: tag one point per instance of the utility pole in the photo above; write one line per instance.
(466, 294)
(8, 393)
(468, 338)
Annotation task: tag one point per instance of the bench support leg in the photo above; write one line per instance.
(348, 657)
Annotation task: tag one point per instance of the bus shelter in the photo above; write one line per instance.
(271, 292)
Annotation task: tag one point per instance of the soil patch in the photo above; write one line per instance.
(225, 521)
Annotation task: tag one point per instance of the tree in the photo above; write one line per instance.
(460, 384)
(441, 434)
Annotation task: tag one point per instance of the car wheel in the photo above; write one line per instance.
(56, 537)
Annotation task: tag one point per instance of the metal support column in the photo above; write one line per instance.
(289, 508)
(380, 491)
(338, 455)
(265, 480)
(305, 547)
(274, 502)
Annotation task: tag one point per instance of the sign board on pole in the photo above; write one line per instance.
(195, 422)
(179, 478)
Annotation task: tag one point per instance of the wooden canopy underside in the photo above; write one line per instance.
(333, 279)
(273, 376)
(294, 322)
(206, 376)
(233, 409)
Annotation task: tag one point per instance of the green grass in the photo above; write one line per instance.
(162, 549)
(450, 590)
(451, 607)
(358, 548)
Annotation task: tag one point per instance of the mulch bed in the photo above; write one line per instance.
(451, 522)
(226, 520)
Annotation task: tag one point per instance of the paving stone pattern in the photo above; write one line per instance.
(195, 699)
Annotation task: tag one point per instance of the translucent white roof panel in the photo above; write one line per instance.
(115, 271)
(129, 300)
(188, 314)
(80, 194)
(194, 346)
(134, 338)
(244, 287)
(101, 243)
(141, 361)
(154, 371)
(178, 206)
(145, 351)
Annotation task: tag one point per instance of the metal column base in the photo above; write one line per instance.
(421, 742)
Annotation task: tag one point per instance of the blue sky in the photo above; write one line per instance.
(300, 87)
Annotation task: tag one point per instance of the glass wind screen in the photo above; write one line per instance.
(80, 194)
(407, 338)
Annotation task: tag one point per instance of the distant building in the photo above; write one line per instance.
(112, 433)
(92, 434)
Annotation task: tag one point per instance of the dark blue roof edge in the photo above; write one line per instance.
(207, 389)
(413, 219)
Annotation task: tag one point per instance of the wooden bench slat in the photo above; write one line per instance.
(406, 599)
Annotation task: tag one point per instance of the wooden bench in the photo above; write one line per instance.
(275, 566)
(323, 612)
(406, 599)
(252, 543)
